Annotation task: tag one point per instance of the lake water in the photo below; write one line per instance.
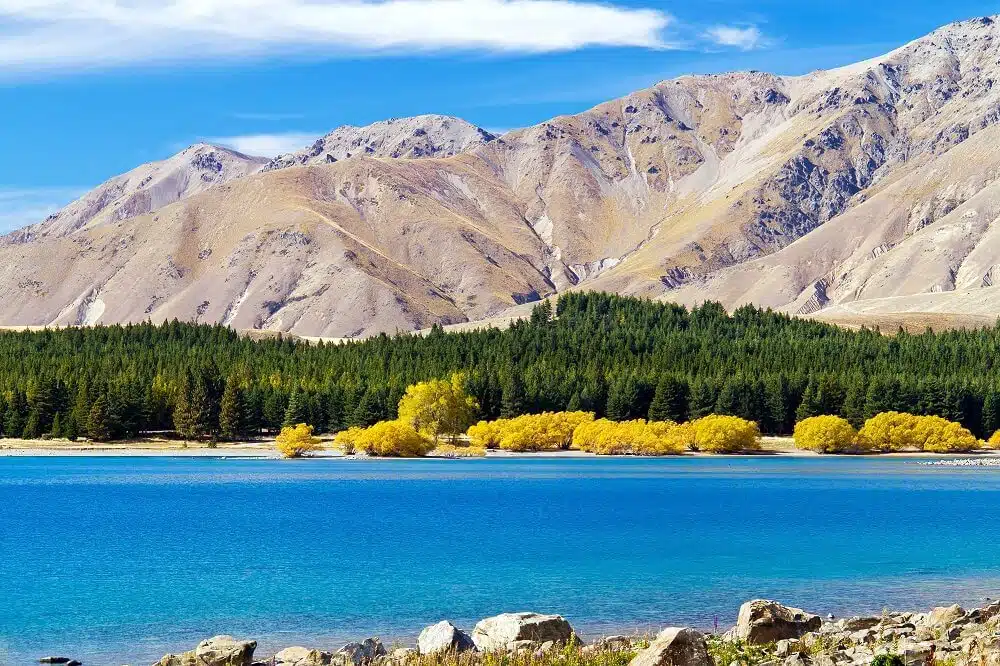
(117, 561)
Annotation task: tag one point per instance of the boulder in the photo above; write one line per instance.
(675, 646)
(364, 652)
(58, 660)
(944, 616)
(215, 651)
(444, 637)
(761, 621)
(301, 656)
(502, 631)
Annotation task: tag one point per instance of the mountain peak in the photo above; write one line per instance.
(422, 136)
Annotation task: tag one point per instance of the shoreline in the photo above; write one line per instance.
(266, 451)
(765, 632)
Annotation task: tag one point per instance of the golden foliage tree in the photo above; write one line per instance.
(393, 439)
(347, 440)
(638, 437)
(826, 434)
(890, 431)
(297, 441)
(994, 441)
(549, 431)
(725, 434)
(939, 435)
(438, 407)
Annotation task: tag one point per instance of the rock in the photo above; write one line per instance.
(402, 654)
(944, 616)
(788, 646)
(444, 637)
(614, 644)
(300, 656)
(523, 646)
(215, 651)
(57, 660)
(675, 646)
(853, 624)
(761, 621)
(501, 631)
(364, 652)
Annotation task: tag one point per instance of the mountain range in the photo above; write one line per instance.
(868, 190)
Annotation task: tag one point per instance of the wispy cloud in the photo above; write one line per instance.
(21, 206)
(267, 145)
(73, 34)
(746, 38)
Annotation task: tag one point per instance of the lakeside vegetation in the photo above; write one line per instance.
(621, 359)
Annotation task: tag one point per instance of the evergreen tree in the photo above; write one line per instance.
(98, 421)
(702, 400)
(670, 400)
(297, 410)
(810, 405)
(232, 412)
(369, 410)
(623, 399)
(991, 411)
(57, 428)
(512, 399)
(854, 402)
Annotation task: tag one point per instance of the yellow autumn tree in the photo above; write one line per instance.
(994, 441)
(891, 431)
(393, 439)
(297, 441)
(939, 435)
(486, 434)
(438, 407)
(347, 440)
(639, 437)
(725, 434)
(826, 434)
(549, 431)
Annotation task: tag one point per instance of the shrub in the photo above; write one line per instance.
(895, 431)
(826, 434)
(549, 431)
(638, 437)
(296, 441)
(393, 439)
(890, 431)
(347, 441)
(452, 451)
(725, 434)
(939, 435)
(486, 433)
(994, 441)
(888, 660)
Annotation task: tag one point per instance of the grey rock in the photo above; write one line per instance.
(502, 631)
(944, 616)
(364, 652)
(761, 621)
(787, 647)
(215, 651)
(675, 646)
(444, 637)
(301, 656)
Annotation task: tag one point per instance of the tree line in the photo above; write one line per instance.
(620, 358)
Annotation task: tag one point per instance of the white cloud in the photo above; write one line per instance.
(21, 206)
(37, 34)
(746, 38)
(267, 145)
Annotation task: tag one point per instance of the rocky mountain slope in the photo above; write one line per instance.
(866, 189)
(420, 136)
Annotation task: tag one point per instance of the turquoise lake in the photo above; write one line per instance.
(118, 561)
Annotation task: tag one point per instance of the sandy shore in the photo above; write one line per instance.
(772, 446)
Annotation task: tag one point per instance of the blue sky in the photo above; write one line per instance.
(92, 88)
